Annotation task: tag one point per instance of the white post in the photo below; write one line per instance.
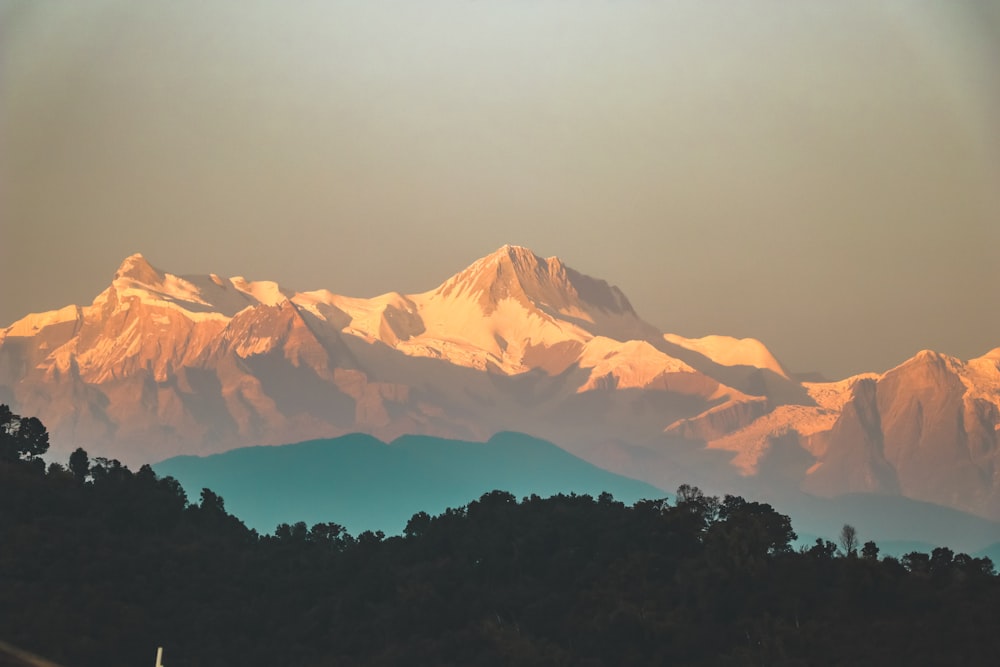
(159, 656)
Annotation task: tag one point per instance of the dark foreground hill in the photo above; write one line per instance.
(365, 484)
(99, 566)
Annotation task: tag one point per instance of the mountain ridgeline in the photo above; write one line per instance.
(370, 485)
(161, 365)
(366, 484)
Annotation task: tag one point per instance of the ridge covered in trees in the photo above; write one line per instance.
(99, 565)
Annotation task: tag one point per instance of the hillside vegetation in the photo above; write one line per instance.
(99, 565)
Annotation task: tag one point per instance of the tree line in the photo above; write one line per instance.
(99, 565)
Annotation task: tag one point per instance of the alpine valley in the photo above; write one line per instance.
(161, 365)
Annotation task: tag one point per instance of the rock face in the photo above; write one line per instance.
(161, 365)
(854, 458)
(928, 429)
(940, 420)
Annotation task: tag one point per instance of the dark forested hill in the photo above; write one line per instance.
(100, 565)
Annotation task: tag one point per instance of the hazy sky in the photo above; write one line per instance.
(824, 176)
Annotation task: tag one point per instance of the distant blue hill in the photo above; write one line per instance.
(992, 552)
(897, 524)
(365, 484)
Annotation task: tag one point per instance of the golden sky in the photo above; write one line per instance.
(823, 176)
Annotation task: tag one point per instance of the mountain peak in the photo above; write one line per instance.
(931, 357)
(511, 248)
(516, 272)
(521, 260)
(137, 268)
(519, 255)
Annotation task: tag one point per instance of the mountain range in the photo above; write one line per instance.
(160, 365)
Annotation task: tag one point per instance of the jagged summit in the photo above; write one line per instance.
(137, 268)
(207, 294)
(929, 361)
(518, 273)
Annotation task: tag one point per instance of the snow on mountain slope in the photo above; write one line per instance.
(501, 314)
(545, 285)
(748, 426)
(390, 318)
(517, 273)
(800, 422)
(499, 332)
(981, 377)
(926, 429)
(831, 396)
(198, 297)
(32, 324)
(145, 320)
(729, 351)
(797, 423)
(752, 442)
(638, 365)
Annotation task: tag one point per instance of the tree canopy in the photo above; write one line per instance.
(22, 438)
(101, 565)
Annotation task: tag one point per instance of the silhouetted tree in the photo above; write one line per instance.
(370, 538)
(822, 549)
(762, 529)
(79, 464)
(296, 532)
(417, 525)
(941, 561)
(212, 502)
(916, 562)
(328, 534)
(848, 539)
(870, 551)
(108, 470)
(976, 567)
(693, 502)
(22, 438)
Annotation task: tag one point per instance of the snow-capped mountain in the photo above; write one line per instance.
(160, 365)
(928, 429)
